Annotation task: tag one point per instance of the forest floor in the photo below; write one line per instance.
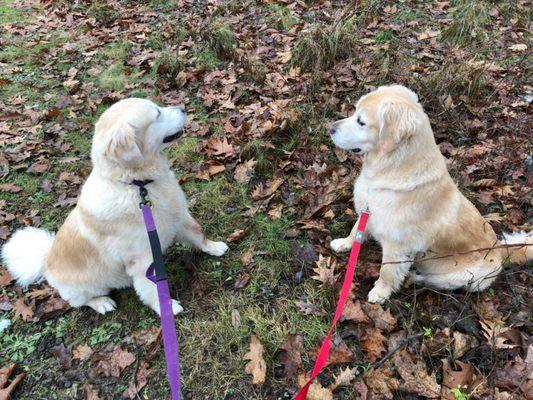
(261, 82)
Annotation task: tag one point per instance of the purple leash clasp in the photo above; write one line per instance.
(156, 273)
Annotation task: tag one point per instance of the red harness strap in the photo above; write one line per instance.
(343, 296)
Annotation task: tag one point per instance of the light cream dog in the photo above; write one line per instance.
(416, 209)
(103, 243)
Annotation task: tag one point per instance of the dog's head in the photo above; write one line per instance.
(383, 119)
(132, 132)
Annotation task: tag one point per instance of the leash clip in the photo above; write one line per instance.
(143, 192)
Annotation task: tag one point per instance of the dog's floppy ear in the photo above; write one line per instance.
(397, 121)
(122, 145)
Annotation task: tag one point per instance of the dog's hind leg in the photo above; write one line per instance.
(191, 232)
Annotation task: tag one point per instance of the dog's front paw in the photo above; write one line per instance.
(102, 304)
(176, 307)
(340, 245)
(216, 249)
(379, 294)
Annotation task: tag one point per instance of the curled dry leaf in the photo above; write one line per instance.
(316, 390)
(345, 378)
(238, 234)
(260, 191)
(257, 366)
(372, 343)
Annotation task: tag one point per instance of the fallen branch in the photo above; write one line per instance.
(502, 246)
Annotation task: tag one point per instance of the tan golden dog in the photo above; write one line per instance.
(103, 243)
(416, 209)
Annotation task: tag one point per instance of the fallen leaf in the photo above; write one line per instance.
(381, 381)
(308, 308)
(112, 364)
(140, 381)
(462, 343)
(260, 191)
(372, 343)
(291, 358)
(354, 312)
(238, 234)
(257, 366)
(5, 278)
(82, 352)
(5, 373)
(345, 378)
(22, 310)
(455, 379)
(325, 271)
(415, 376)
(382, 319)
(219, 147)
(10, 188)
(316, 390)
(245, 171)
(63, 354)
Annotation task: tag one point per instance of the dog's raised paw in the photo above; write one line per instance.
(216, 249)
(340, 245)
(102, 304)
(378, 295)
(176, 307)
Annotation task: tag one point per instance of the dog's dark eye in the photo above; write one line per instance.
(360, 122)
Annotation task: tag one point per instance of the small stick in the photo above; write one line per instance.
(502, 246)
(398, 346)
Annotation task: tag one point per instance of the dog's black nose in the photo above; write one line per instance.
(332, 129)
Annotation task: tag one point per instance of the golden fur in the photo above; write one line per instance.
(416, 209)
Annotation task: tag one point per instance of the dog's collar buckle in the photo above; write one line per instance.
(143, 192)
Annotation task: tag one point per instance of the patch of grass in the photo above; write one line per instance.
(116, 51)
(206, 57)
(164, 5)
(9, 14)
(409, 14)
(184, 151)
(18, 346)
(467, 24)
(280, 17)
(102, 12)
(220, 39)
(103, 332)
(257, 149)
(168, 65)
(384, 36)
(321, 46)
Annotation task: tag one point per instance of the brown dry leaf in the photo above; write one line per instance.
(5, 278)
(292, 356)
(257, 366)
(260, 191)
(145, 337)
(495, 333)
(339, 352)
(415, 376)
(372, 343)
(219, 147)
(455, 379)
(82, 352)
(354, 312)
(308, 308)
(517, 374)
(462, 343)
(39, 167)
(325, 271)
(245, 171)
(345, 378)
(235, 318)
(63, 354)
(114, 363)
(5, 373)
(383, 319)
(275, 212)
(238, 234)
(316, 390)
(10, 188)
(22, 310)
(92, 392)
(381, 381)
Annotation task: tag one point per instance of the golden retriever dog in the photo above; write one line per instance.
(416, 210)
(103, 243)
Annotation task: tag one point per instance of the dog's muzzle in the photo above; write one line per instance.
(173, 137)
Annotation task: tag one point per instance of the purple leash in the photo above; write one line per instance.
(156, 273)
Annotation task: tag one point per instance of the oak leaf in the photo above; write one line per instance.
(257, 366)
(292, 356)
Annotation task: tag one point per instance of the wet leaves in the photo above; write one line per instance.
(112, 364)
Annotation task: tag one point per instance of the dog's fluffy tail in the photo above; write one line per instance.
(25, 254)
(519, 254)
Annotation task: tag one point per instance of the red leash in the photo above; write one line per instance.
(343, 296)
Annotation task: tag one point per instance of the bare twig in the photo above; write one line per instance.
(397, 347)
(460, 253)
